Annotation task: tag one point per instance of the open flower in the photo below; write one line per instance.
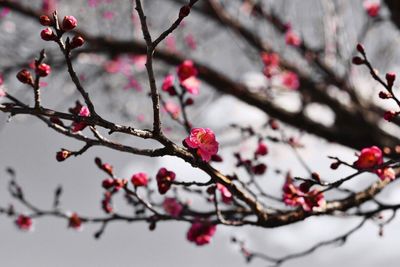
(186, 70)
(370, 157)
(203, 139)
(290, 80)
(24, 222)
(172, 207)
(164, 179)
(225, 193)
(201, 233)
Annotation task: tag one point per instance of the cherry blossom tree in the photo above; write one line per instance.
(306, 84)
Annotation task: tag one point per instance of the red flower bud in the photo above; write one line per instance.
(63, 155)
(69, 23)
(189, 101)
(47, 35)
(24, 76)
(108, 183)
(335, 165)
(43, 70)
(389, 115)
(77, 41)
(384, 95)
(45, 20)
(184, 12)
(390, 77)
(358, 61)
(360, 48)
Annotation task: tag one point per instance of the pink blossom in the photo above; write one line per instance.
(172, 207)
(191, 41)
(225, 193)
(292, 38)
(93, 3)
(290, 80)
(170, 43)
(164, 179)
(172, 109)
(2, 93)
(139, 179)
(270, 59)
(369, 158)
(168, 82)
(201, 233)
(24, 222)
(79, 126)
(386, 173)
(108, 15)
(203, 139)
(293, 196)
(186, 70)
(191, 85)
(133, 84)
(48, 6)
(4, 12)
(372, 8)
(139, 61)
(262, 149)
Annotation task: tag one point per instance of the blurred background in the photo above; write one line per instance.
(334, 112)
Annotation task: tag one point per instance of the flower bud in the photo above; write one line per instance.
(24, 76)
(47, 35)
(389, 115)
(384, 95)
(358, 61)
(43, 70)
(77, 41)
(45, 20)
(390, 77)
(63, 155)
(69, 23)
(360, 48)
(184, 11)
(108, 183)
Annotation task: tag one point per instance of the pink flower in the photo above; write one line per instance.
(170, 43)
(79, 126)
(186, 70)
(292, 38)
(172, 109)
(133, 84)
(24, 222)
(225, 193)
(93, 3)
(370, 157)
(262, 150)
(109, 15)
(4, 12)
(191, 42)
(293, 196)
(270, 59)
(75, 221)
(168, 83)
(69, 23)
(386, 173)
(48, 6)
(164, 180)
(43, 70)
(139, 179)
(191, 85)
(2, 93)
(204, 141)
(372, 8)
(172, 207)
(290, 80)
(201, 233)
